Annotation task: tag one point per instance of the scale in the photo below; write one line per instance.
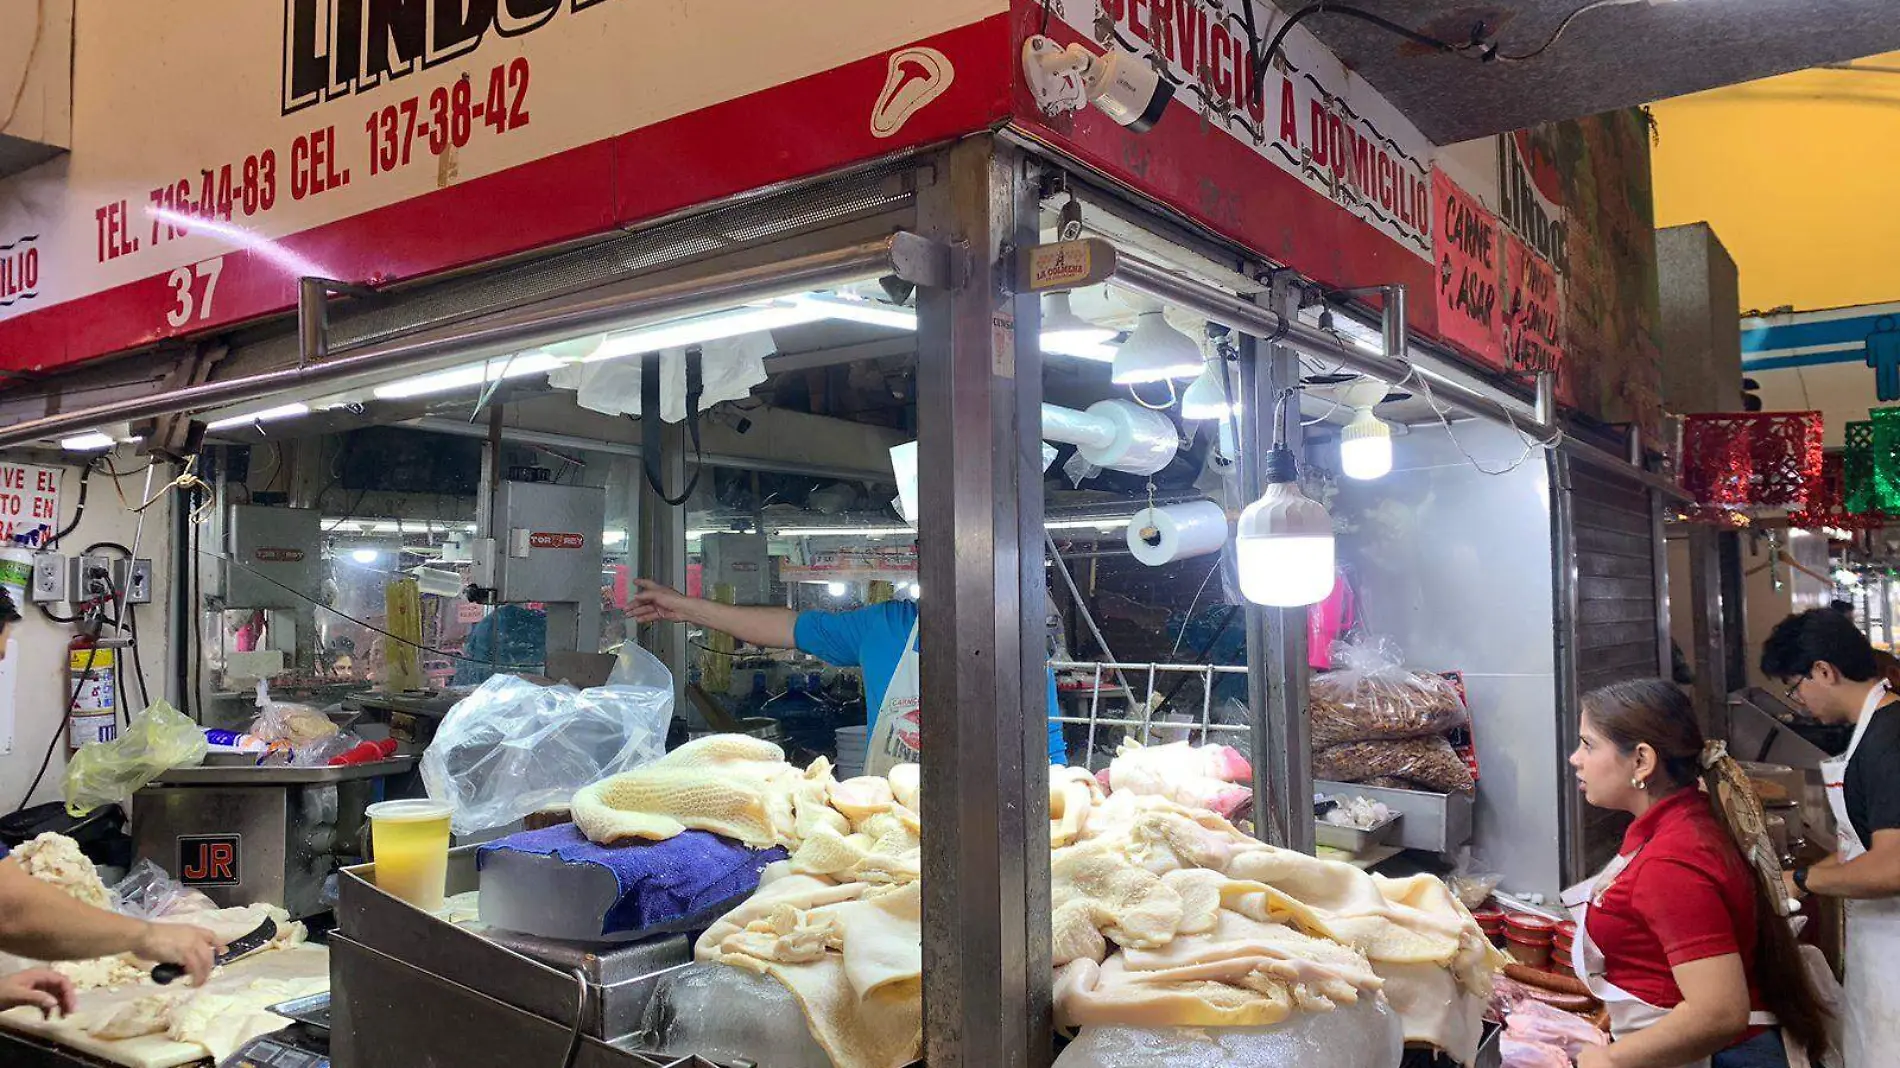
(304, 1044)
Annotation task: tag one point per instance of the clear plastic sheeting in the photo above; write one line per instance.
(696, 1009)
(514, 747)
(105, 773)
(1366, 1035)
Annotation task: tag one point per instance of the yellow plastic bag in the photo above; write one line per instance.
(105, 773)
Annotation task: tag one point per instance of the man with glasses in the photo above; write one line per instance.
(1831, 672)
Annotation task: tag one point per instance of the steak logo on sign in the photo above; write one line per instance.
(19, 269)
(333, 48)
(277, 556)
(539, 540)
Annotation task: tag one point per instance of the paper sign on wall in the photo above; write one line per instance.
(29, 501)
(1468, 244)
(1533, 310)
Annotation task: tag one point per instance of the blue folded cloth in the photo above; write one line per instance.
(663, 885)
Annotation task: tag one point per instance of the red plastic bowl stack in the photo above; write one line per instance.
(1560, 942)
(1528, 939)
(1491, 922)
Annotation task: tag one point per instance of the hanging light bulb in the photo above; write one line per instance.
(1064, 331)
(1155, 351)
(1283, 543)
(1365, 444)
(1206, 396)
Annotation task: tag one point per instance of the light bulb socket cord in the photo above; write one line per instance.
(1281, 466)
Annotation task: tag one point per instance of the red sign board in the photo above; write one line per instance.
(1469, 246)
(372, 142)
(1533, 310)
(1316, 170)
(541, 540)
(278, 556)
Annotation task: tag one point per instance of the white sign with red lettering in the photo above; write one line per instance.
(226, 148)
(1312, 117)
(29, 502)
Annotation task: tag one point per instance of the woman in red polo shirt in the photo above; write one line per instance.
(1678, 935)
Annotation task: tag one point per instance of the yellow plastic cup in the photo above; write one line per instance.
(411, 840)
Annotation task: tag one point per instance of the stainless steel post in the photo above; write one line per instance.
(1711, 645)
(661, 528)
(1665, 642)
(1276, 637)
(1571, 847)
(985, 797)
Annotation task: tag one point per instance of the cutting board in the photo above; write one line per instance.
(157, 1051)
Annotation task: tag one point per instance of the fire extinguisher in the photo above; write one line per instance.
(92, 685)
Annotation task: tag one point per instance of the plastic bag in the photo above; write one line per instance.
(514, 747)
(1428, 763)
(105, 773)
(691, 1011)
(1367, 1033)
(288, 722)
(1370, 696)
(1470, 883)
(148, 893)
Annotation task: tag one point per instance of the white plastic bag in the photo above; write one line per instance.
(729, 368)
(1354, 1036)
(514, 747)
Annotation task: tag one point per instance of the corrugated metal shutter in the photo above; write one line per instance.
(1619, 602)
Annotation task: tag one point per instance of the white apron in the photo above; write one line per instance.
(1628, 1013)
(1871, 989)
(896, 737)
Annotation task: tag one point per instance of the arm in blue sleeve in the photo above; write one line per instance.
(839, 638)
(1058, 748)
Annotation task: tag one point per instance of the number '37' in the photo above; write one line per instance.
(187, 284)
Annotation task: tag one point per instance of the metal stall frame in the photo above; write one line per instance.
(987, 973)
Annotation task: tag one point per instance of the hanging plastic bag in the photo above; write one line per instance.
(1370, 696)
(514, 747)
(105, 773)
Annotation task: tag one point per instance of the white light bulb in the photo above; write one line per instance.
(837, 589)
(1155, 351)
(87, 442)
(365, 556)
(1063, 330)
(916, 590)
(1365, 446)
(1206, 396)
(1283, 548)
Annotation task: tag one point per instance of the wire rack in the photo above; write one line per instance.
(1138, 719)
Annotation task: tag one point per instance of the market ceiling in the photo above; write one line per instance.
(1617, 55)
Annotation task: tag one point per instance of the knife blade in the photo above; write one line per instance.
(237, 947)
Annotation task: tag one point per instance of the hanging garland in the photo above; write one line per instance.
(1734, 461)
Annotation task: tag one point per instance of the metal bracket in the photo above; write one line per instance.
(313, 315)
(922, 261)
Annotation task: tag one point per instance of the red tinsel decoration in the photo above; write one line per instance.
(1751, 460)
(1827, 502)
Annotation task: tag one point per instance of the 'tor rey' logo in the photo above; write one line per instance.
(333, 48)
(19, 269)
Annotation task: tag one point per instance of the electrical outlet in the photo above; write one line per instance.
(134, 578)
(89, 578)
(49, 578)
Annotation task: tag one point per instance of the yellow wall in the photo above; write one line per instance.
(1799, 175)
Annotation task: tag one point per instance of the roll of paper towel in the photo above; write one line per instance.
(1177, 531)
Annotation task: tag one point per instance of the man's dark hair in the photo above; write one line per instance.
(1816, 636)
(9, 613)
